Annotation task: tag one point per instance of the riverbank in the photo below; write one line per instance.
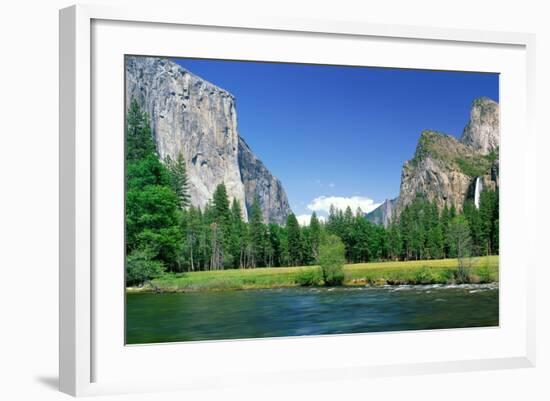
(483, 270)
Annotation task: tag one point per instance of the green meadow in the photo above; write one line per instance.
(442, 271)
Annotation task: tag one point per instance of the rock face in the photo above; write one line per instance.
(199, 119)
(258, 181)
(383, 214)
(482, 132)
(438, 171)
(444, 169)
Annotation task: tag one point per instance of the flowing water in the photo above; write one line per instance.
(153, 318)
(477, 191)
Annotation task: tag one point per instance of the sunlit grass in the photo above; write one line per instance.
(483, 269)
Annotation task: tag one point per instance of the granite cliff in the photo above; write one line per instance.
(192, 116)
(259, 182)
(482, 131)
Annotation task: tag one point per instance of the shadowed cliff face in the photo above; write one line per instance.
(444, 169)
(259, 182)
(199, 119)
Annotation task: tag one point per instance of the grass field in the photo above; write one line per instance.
(483, 270)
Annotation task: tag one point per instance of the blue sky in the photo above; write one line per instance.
(341, 134)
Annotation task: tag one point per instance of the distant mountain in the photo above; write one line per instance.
(445, 169)
(199, 119)
(383, 213)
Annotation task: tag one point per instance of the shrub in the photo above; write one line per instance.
(308, 277)
(140, 267)
(474, 166)
(333, 276)
(463, 274)
(424, 276)
(331, 259)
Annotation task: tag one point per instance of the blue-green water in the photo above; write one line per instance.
(154, 318)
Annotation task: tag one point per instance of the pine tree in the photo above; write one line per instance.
(221, 227)
(315, 235)
(139, 139)
(220, 207)
(238, 235)
(381, 250)
(361, 240)
(152, 219)
(346, 233)
(208, 240)
(276, 243)
(216, 256)
(445, 219)
(284, 253)
(348, 216)
(459, 235)
(193, 231)
(294, 240)
(479, 245)
(335, 224)
(496, 237)
(256, 231)
(268, 251)
(331, 215)
(307, 247)
(404, 232)
(434, 240)
(488, 212)
(179, 181)
(395, 244)
(496, 217)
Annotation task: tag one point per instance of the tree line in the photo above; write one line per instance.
(424, 232)
(166, 233)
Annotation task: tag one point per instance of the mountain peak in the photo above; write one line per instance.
(436, 145)
(482, 131)
(483, 100)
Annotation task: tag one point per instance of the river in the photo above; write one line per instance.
(154, 318)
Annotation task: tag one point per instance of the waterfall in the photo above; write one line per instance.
(479, 187)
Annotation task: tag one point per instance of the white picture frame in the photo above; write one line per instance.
(83, 344)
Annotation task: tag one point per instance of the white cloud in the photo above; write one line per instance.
(322, 203)
(331, 185)
(303, 219)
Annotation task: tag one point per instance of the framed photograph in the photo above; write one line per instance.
(278, 200)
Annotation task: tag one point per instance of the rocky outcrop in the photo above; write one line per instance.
(197, 118)
(444, 169)
(441, 170)
(259, 182)
(482, 131)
